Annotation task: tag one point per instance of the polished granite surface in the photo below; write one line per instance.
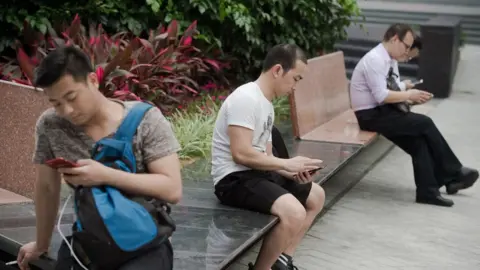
(209, 235)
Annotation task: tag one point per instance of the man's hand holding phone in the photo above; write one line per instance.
(418, 96)
(85, 172)
(409, 84)
(306, 177)
(303, 168)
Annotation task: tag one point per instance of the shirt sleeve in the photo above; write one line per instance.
(241, 112)
(43, 150)
(376, 77)
(158, 138)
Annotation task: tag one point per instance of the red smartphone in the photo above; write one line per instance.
(60, 163)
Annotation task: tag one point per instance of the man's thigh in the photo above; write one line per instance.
(252, 190)
(298, 190)
(401, 124)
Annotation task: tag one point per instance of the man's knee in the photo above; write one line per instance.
(290, 211)
(316, 198)
(424, 120)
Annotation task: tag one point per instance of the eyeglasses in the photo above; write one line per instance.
(407, 47)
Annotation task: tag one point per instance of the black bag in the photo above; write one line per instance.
(392, 85)
(279, 149)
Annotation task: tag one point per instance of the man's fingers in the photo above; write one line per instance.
(310, 167)
(303, 176)
(21, 255)
(24, 263)
(314, 162)
(72, 171)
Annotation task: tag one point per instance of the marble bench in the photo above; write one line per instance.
(210, 235)
(320, 106)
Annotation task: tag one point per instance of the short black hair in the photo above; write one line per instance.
(284, 54)
(399, 29)
(417, 43)
(65, 60)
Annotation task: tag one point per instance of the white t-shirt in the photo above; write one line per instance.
(247, 107)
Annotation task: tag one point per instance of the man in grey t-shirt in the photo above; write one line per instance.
(80, 116)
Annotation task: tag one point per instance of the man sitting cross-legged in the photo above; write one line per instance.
(247, 175)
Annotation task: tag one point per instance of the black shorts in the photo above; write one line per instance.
(257, 190)
(160, 258)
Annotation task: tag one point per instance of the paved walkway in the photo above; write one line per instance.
(377, 225)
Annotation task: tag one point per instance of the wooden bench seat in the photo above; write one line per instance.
(320, 105)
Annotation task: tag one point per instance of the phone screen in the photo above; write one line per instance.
(417, 82)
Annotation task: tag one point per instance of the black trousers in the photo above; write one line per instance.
(160, 258)
(434, 163)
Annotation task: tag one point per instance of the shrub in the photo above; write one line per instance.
(247, 29)
(116, 15)
(243, 29)
(193, 127)
(163, 68)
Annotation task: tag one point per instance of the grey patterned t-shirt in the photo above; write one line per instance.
(57, 137)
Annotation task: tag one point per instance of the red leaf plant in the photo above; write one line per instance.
(163, 68)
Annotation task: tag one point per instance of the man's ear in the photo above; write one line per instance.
(277, 71)
(93, 79)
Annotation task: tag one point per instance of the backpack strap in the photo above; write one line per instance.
(129, 125)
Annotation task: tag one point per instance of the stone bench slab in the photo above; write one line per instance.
(209, 235)
(343, 128)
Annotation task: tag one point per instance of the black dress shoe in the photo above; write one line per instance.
(435, 200)
(467, 177)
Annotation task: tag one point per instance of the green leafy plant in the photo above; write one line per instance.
(281, 107)
(193, 126)
(115, 15)
(163, 68)
(247, 29)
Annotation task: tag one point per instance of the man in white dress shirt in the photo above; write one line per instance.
(376, 108)
(412, 53)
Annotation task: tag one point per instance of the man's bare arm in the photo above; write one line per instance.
(282, 172)
(163, 182)
(47, 198)
(243, 153)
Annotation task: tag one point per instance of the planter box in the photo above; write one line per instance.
(20, 106)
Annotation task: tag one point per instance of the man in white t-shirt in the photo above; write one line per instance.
(246, 174)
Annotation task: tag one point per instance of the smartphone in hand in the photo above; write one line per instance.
(311, 172)
(417, 82)
(315, 170)
(60, 163)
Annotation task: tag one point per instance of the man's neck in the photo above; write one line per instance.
(266, 86)
(386, 45)
(108, 111)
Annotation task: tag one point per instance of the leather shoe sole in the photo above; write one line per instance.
(466, 181)
(438, 200)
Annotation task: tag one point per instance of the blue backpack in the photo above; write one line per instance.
(111, 227)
